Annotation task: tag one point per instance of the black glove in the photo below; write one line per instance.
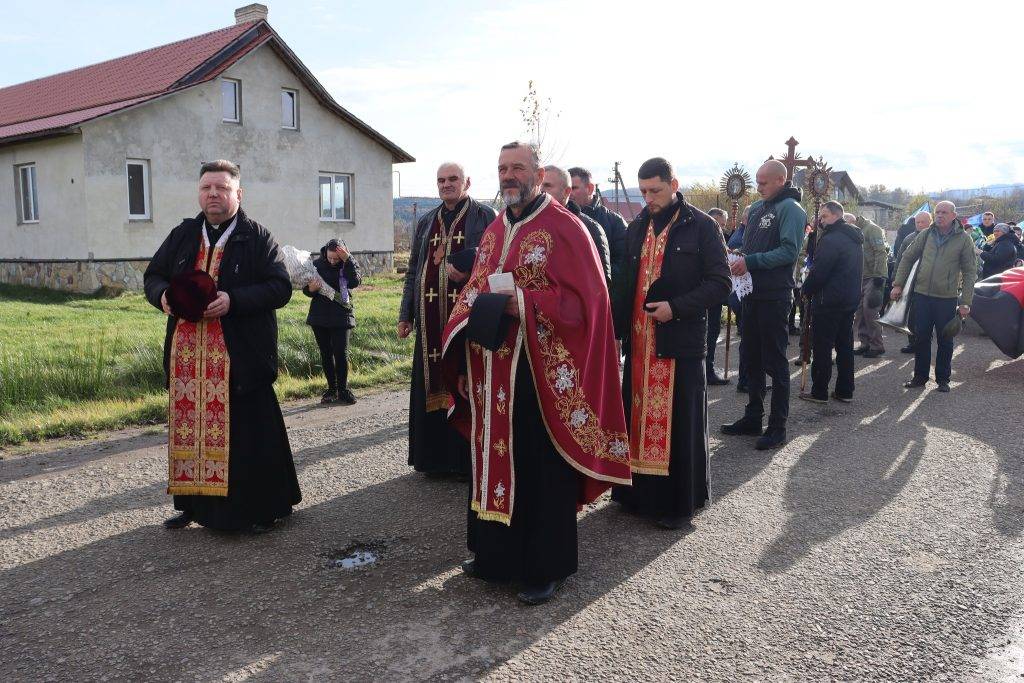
(878, 282)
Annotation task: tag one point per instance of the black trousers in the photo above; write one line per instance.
(714, 329)
(741, 369)
(333, 343)
(932, 313)
(832, 329)
(765, 339)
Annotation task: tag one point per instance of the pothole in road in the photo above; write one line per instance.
(355, 556)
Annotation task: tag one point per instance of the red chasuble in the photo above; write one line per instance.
(437, 297)
(650, 429)
(565, 332)
(199, 412)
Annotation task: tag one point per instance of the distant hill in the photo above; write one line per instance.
(1002, 190)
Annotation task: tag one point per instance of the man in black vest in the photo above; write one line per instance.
(771, 245)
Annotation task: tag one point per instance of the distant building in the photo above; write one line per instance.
(99, 163)
(887, 215)
(843, 187)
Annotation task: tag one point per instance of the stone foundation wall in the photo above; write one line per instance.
(88, 277)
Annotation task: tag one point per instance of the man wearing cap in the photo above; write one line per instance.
(1001, 253)
(947, 257)
(230, 464)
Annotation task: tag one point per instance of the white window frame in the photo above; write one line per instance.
(333, 176)
(33, 196)
(295, 108)
(147, 205)
(238, 100)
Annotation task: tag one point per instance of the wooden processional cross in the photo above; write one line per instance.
(792, 160)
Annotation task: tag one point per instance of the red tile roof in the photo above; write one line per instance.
(54, 104)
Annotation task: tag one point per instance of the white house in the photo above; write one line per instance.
(99, 163)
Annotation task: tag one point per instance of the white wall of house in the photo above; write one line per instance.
(280, 170)
(60, 184)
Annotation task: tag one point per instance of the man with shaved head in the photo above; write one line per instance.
(431, 287)
(558, 184)
(771, 245)
(945, 256)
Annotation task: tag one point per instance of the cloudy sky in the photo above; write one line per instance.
(920, 95)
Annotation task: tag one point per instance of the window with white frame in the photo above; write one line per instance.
(335, 196)
(28, 196)
(138, 189)
(289, 109)
(231, 100)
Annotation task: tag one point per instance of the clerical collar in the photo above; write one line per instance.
(214, 232)
(526, 211)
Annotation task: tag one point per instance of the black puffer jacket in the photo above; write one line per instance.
(322, 311)
(614, 230)
(252, 272)
(696, 270)
(599, 238)
(999, 255)
(834, 280)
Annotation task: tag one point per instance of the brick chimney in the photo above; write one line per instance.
(253, 12)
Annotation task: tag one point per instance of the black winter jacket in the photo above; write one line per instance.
(478, 217)
(253, 274)
(598, 236)
(614, 229)
(697, 270)
(834, 280)
(324, 312)
(999, 255)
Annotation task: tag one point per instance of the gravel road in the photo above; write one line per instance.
(884, 542)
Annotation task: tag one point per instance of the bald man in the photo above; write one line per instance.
(771, 245)
(431, 288)
(946, 257)
(558, 184)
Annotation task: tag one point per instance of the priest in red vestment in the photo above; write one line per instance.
(675, 270)
(529, 353)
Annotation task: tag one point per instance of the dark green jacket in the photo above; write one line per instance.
(876, 252)
(942, 267)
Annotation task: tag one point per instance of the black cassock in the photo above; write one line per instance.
(685, 490)
(434, 446)
(262, 485)
(540, 544)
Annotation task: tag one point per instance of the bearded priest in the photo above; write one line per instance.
(675, 270)
(529, 353)
(219, 278)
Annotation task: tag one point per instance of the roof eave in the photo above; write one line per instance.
(63, 131)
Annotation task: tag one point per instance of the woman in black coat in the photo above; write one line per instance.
(332, 320)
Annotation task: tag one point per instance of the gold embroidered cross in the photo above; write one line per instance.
(434, 355)
(458, 238)
(431, 295)
(453, 295)
(435, 240)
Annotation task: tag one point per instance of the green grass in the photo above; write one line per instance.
(73, 364)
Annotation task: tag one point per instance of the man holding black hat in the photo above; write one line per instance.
(675, 270)
(230, 463)
(445, 234)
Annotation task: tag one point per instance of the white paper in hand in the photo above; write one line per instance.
(501, 283)
(741, 284)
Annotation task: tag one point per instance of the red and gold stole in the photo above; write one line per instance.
(650, 428)
(437, 296)
(199, 414)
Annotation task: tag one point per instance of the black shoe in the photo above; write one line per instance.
(806, 396)
(715, 381)
(943, 387)
(469, 569)
(179, 521)
(860, 350)
(907, 349)
(842, 398)
(538, 595)
(262, 527)
(799, 362)
(915, 383)
(741, 388)
(330, 396)
(874, 354)
(674, 523)
(794, 331)
(346, 397)
(745, 426)
(773, 438)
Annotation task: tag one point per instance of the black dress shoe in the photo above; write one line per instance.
(794, 331)
(874, 354)
(844, 399)
(943, 387)
(346, 397)
(262, 527)
(179, 521)
(907, 349)
(773, 438)
(799, 362)
(715, 381)
(469, 569)
(741, 388)
(915, 383)
(745, 426)
(674, 523)
(808, 396)
(329, 396)
(538, 595)
(860, 350)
